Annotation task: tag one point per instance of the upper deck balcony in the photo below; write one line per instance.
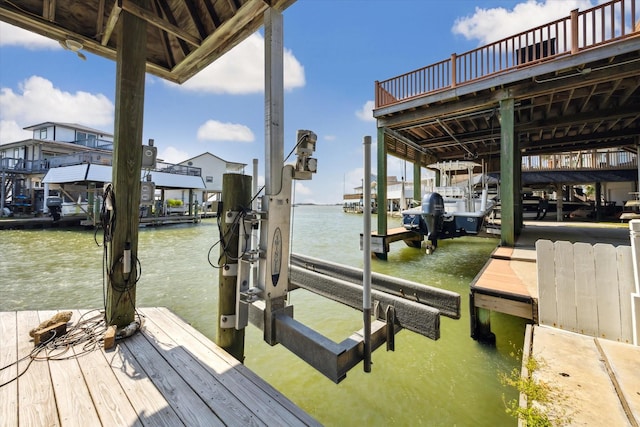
(574, 82)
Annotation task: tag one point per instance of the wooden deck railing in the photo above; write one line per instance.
(581, 160)
(599, 25)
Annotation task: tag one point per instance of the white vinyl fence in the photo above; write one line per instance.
(586, 288)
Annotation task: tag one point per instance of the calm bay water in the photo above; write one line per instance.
(450, 382)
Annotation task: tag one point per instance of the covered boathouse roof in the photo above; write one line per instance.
(183, 37)
(88, 172)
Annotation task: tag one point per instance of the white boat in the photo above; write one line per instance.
(631, 208)
(451, 210)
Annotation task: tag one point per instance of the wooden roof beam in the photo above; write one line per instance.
(142, 13)
(166, 10)
(213, 15)
(194, 15)
(245, 22)
(100, 19)
(112, 21)
(166, 43)
(49, 10)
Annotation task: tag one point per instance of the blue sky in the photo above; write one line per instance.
(334, 51)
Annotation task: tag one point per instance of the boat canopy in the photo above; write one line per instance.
(102, 173)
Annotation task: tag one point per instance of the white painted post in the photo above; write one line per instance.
(45, 209)
(366, 254)
(634, 230)
(254, 185)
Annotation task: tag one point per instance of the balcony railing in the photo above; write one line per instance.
(23, 166)
(581, 160)
(42, 166)
(593, 27)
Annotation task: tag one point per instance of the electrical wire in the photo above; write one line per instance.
(85, 336)
(224, 237)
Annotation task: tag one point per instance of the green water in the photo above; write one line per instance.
(450, 382)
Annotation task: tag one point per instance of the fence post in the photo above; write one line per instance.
(634, 231)
(574, 31)
(453, 70)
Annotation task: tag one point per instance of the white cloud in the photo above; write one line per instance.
(10, 131)
(489, 25)
(366, 112)
(173, 155)
(329, 137)
(241, 71)
(302, 190)
(214, 130)
(11, 35)
(353, 179)
(37, 100)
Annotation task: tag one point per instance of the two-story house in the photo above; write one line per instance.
(23, 164)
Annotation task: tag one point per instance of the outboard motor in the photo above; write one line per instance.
(433, 213)
(54, 204)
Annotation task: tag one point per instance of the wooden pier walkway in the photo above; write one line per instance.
(597, 380)
(167, 374)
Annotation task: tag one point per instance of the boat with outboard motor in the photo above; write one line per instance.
(451, 210)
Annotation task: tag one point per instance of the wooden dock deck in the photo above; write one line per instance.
(167, 374)
(597, 381)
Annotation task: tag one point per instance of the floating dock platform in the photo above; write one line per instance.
(167, 374)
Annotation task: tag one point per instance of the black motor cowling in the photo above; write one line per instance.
(433, 214)
(54, 204)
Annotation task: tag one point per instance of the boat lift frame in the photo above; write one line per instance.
(261, 295)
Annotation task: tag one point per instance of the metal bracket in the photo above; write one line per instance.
(227, 321)
(230, 270)
(231, 217)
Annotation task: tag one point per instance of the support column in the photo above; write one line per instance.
(3, 195)
(417, 180)
(127, 159)
(382, 184)
(559, 200)
(598, 204)
(274, 145)
(236, 195)
(509, 192)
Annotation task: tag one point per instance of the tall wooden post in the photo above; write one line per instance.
(417, 180)
(236, 197)
(509, 194)
(127, 159)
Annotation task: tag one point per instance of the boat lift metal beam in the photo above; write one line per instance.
(418, 310)
(447, 302)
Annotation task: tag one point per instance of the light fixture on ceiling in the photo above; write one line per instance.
(74, 46)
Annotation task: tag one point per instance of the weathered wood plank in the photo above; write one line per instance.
(174, 389)
(147, 401)
(72, 398)
(37, 404)
(221, 400)
(8, 355)
(626, 284)
(607, 291)
(565, 286)
(547, 304)
(231, 370)
(503, 305)
(586, 303)
(111, 403)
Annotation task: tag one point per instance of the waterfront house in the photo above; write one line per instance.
(73, 162)
(212, 168)
(23, 164)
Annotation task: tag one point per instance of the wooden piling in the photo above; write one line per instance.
(236, 197)
(127, 160)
